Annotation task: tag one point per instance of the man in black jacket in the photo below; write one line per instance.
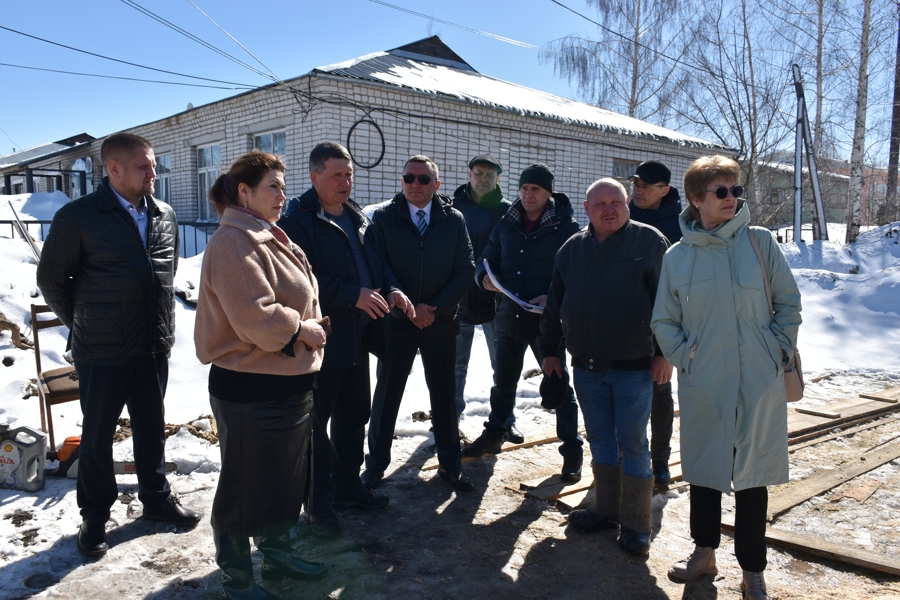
(482, 204)
(654, 202)
(422, 243)
(333, 231)
(107, 270)
(520, 254)
(600, 301)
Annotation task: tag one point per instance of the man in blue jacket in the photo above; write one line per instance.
(520, 254)
(333, 231)
(423, 246)
(482, 204)
(654, 202)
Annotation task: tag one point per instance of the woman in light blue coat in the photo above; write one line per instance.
(712, 321)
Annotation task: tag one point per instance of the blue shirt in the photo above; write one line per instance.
(139, 214)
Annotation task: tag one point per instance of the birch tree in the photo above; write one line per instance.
(858, 150)
(629, 67)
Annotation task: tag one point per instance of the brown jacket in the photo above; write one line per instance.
(254, 291)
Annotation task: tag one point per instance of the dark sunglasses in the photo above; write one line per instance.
(423, 179)
(721, 192)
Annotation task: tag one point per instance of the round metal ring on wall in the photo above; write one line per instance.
(350, 146)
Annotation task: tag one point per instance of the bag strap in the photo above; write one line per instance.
(765, 271)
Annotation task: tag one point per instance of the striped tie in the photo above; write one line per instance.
(420, 214)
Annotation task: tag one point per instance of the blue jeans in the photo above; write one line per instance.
(464, 353)
(616, 409)
(509, 359)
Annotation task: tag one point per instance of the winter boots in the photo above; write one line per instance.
(279, 562)
(753, 586)
(487, 443)
(637, 494)
(233, 557)
(604, 513)
(701, 563)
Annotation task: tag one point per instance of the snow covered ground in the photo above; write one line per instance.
(851, 314)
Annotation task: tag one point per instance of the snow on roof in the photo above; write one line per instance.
(430, 75)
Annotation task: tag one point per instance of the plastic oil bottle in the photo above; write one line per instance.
(23, 455)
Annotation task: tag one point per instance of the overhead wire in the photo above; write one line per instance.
(194, 38)
(182, 83)
(124, 62)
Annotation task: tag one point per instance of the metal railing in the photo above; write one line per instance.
(194, 234)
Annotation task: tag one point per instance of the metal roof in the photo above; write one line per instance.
(439, 74)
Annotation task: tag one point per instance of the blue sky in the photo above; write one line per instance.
(289, 37)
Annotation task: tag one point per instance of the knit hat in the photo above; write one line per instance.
(538, 174)
(554, 390)
(486, 159)
(651, 172)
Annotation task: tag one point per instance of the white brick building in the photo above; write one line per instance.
(418, 99)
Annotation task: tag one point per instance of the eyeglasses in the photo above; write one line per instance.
(640, 185)
(423, 179)
(721, 192)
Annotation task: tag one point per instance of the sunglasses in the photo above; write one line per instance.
(423, 179)
(721, 192)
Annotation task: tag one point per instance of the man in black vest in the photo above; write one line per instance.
(654, 202)
(107, 270)
(333, 231)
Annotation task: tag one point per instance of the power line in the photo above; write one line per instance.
(488, 34)
(124, 62)
(244, 48)
(10, 139)
(194, 38)
(200, 85)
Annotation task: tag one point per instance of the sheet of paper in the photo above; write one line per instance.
(532, 308)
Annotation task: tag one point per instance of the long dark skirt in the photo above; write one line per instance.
(265, 457)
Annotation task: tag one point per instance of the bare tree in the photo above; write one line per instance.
(857, 154)
(629, 68)
(891, 208)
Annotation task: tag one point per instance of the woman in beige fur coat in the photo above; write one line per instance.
(257, 323)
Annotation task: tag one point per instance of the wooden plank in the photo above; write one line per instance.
(793, 494)
(819, 437)
(818, 413)
(888, 395)
(555, 487)
(432, 463)
(852, 412)
(837, 552)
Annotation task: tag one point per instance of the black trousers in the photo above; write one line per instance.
(662, 411)
(140, 384)
(750, 507)
(439, 360)
(343, 397)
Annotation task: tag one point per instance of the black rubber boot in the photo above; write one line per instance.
(233, 557)
(279, 562)
(604, 512)
(637, 495)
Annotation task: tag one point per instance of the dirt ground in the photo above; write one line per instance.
(433, 543)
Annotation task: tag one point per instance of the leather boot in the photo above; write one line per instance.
(637, 493)
(279, 562)
(233, 557)
(604, 512)
(486, 443)
(753, 587)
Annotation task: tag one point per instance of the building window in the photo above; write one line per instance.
(163, 177)
(274, 143)
(209, 159)
(623, 169)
